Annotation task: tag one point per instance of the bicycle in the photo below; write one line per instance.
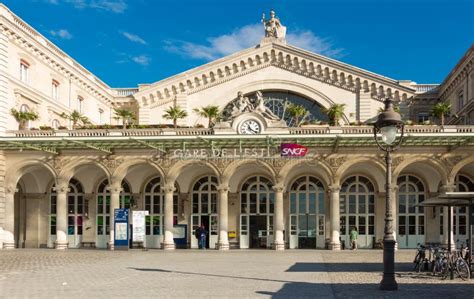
(420, 258)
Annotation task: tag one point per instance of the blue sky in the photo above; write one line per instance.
(128, 42)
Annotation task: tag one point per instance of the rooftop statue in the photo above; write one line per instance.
(273, 27)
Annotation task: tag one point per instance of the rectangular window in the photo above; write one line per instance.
(79, 104)
(422, 117)
(101, 116)
(24, 71)
(460, 100)
(55, 90)
(342, 222)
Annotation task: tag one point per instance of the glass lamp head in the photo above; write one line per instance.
(389, 134)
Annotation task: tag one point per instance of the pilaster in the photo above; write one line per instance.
(5, 103)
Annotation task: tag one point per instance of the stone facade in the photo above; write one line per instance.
(60, 193)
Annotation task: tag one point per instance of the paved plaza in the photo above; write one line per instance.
(42, 273)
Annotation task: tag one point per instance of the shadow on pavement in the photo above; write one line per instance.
(366, 290)
(345, 267)
(208, 275)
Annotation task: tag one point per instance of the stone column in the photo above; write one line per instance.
(223, 242)
(168, 242)
(278, 225)
(115, 188)
(335, 218)
(9, 226)
(62, 188)
(446, 232)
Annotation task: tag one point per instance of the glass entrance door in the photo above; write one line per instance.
(256, 219)
(411, 217)
(204, 211)
(307, 213)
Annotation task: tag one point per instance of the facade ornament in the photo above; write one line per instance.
(397, 160)
(57, 162)
(11, 189)
(279, 188)
(169, 188)
(334, 188)
(260, 107)
(273, 27)
(242, 104)
(62, 187)
(221, 164)
(223, 188)
(336, 162)
(112, 162)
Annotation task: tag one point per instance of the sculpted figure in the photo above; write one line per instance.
(241, 105)
(273, 27)
(262, 109)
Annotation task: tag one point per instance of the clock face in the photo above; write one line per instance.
(250, 127)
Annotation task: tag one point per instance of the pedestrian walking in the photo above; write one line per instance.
(354, 235)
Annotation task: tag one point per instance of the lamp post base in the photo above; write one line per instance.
(388, 282)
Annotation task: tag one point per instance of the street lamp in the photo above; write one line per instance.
(388, 124)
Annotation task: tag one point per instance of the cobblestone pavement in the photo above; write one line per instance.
(46, 273)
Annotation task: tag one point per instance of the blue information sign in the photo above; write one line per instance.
(121, 228)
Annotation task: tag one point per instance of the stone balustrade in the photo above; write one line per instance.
(305, 130)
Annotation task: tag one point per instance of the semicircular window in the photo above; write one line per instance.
(279, 102)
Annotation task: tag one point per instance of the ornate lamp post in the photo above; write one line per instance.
(388, 124)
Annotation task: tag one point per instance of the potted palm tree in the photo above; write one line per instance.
(441, 110)
(175, 113)
(297, 112)
(126, 115)
(335, 112)
(210, 112)
(23, 117)
(76, 118)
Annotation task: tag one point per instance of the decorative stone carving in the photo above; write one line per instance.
(397, 160)
(223, 188)
(279, 188)
(112, 162)
(168, 188)
(273, 27)
(58, 162)
(336, 162)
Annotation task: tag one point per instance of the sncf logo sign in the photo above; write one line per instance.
(292, 150)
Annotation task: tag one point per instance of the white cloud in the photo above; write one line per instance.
(61, 33)
(134, 38)
(246, 37)
(142, 60)
(116, 6)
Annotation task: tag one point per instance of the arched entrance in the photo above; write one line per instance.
(411, 217)
(257, 202)
(103, 210)
(204, 210)
(307, 213)
(357, 209)
(75, 214)
(153, 198)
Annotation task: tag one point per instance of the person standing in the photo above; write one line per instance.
(354, 235)
(202, 237)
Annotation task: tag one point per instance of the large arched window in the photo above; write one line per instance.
(460, 216)
(103, 205)
(411, 217)
(204, 209)
(154, 197)
(357, 209)
(279, 101)
(75, 212)
(257, 203)
(307, 213)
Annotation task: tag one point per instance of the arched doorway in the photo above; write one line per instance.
(154, 203)
(411, 217)
(257, 202)
(103, 210)
(307, 213)
(204, 210)
(357, 209)
(460, 214)
(75, 214)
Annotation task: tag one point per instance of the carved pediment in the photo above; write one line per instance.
(287, 57)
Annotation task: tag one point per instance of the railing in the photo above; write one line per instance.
(425, 87)
(306, 130)
(124, 92)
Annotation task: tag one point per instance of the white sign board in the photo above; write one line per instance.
(138, 226)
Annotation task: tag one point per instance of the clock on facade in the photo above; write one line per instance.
(249, 127)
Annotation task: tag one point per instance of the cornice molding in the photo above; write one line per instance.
(289, 58)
